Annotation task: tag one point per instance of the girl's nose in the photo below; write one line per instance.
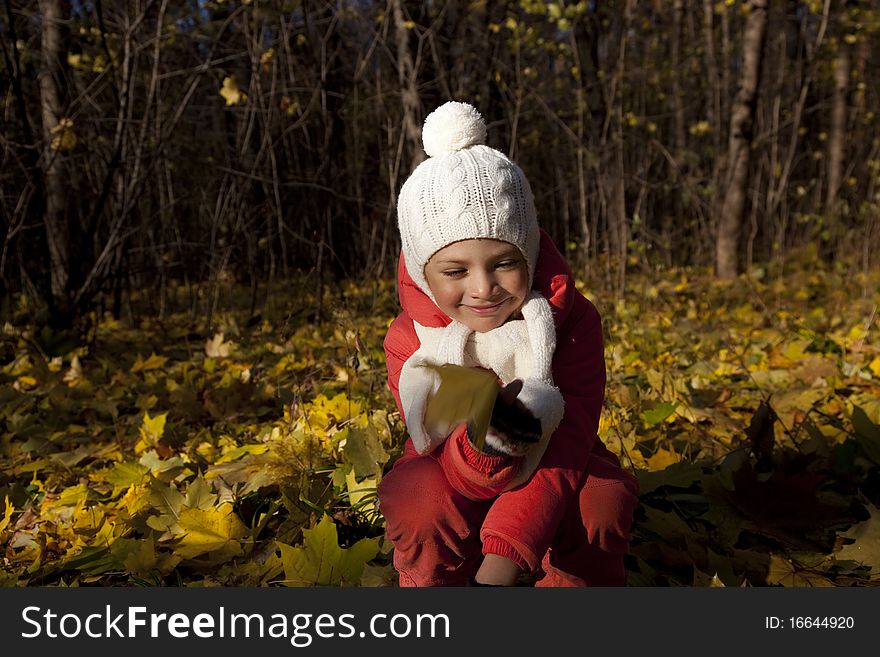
(482, 285)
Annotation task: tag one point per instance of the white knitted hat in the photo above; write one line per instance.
(464, 190)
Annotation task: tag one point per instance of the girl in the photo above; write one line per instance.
(482, 286)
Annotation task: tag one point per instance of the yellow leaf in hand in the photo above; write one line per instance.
(466, 394)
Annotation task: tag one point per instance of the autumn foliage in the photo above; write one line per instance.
(248, 454)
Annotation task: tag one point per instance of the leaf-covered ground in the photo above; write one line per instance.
(166, 454)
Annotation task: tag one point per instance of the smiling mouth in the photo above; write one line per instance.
(485, 310)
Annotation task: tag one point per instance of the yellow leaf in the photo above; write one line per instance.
(154, 362)
(135, 500)
(124, 475)
(167, 500)
(152, 428)
(359, 490)
(199, 495)
(64, 138)
(321, 562)
(265, 58)
(142, 557)
(466, 394)
(7, 513)
(874, 366)
(212, 530)
(234, 452)
(323, 413)
(797, 350)
(662, 459)
(231, 93)
(783, 571)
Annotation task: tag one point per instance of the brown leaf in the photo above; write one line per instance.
(761, 434)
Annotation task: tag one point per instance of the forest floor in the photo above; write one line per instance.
(158, 452)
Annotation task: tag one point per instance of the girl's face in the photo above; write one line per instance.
(479, 282)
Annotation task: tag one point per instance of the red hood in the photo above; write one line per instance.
(552, 279)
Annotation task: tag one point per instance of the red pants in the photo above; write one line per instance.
(435, 529)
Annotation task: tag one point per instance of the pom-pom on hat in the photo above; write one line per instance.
(464, 190)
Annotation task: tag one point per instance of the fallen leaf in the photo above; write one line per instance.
(217, 348)
(321, 562)
(662, 459)
(154, 362)
(211, 530)
(783, 571)
(364, 451)
(865, 548)
(199, 495)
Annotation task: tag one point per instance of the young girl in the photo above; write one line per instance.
(482, 286)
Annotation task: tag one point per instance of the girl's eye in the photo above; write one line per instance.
(508, 264)
(453, 273)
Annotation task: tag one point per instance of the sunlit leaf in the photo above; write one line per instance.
(154, 362)
(361, 494)
(662, 459)
(364, 450)
(8, 510)
(321, 562)
(199, 495)
(123, 475)
(466, 394)
(211, 530)
(231, 93)
(150, 431)
(167, 501)
(658, 414)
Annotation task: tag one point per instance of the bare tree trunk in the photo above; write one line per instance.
(616, 179)
(725, 68)
(52, 163)
(409, 94)
(677, 98)
(742, 118)
(713, 90)
(837, 133)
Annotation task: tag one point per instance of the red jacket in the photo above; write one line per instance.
(522, 521)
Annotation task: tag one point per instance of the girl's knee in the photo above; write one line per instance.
(414, 498)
